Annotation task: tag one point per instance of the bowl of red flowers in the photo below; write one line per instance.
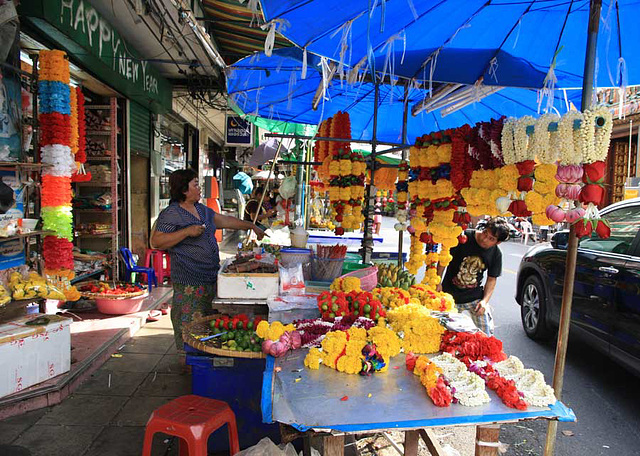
(115, 298)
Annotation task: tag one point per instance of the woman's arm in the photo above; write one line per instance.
(164, 241)
(226, 221)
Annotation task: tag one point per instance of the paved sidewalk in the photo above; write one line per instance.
(108, 413)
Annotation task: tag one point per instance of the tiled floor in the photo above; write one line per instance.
(108, 413)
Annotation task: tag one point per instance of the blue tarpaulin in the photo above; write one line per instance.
(505, 42)
(271, 87)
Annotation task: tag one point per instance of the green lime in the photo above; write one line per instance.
(212, 323)
(250, 325)
(232, 334)
(224, 337)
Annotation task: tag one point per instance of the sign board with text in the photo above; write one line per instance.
(238, 131)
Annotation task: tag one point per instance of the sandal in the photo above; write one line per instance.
(153, 316)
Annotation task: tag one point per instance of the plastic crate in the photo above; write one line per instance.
(238, 382)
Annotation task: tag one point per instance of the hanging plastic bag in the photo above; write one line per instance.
(292, 280)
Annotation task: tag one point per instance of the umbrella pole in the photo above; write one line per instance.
(572, 249)
(367, 238)
(404, 157)
(266, 185)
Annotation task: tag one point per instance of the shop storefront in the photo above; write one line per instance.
(119, 124)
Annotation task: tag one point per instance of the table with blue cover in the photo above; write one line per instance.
(326, 400)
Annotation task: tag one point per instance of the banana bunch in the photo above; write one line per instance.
(390, 275)
(33, 287)
(5, 296)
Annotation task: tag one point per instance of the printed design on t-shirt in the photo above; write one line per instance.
(467, 276)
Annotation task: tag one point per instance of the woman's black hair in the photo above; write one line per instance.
(499, 228)
(179, 184)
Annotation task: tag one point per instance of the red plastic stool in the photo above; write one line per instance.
(192, 419)
(157, 259)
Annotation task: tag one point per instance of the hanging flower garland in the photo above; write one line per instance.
(402, 197)
(56, 140)
(541, 139)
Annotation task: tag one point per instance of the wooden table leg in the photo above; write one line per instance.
(411, 443)
(487, 439)
(334, 445)
(431, 441)
(306, 445)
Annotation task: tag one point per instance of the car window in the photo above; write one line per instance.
(625, 223)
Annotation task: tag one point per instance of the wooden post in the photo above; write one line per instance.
(432, 443)
(487, 437)
(411, 443)
(572, 249)
(334, 445)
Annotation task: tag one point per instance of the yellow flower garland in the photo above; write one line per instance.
(421, 332)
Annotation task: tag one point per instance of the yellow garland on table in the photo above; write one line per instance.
(391, 297)
(272, 331)
(342, 350)
(422, 333)
(431, 299)
(427, 371)
(346, 284)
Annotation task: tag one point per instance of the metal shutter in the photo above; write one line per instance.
(139, 129)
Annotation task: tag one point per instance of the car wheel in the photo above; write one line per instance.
(533, 309)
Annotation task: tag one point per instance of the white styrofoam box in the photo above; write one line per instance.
(33, 354)
(286, 309)
(246, 285)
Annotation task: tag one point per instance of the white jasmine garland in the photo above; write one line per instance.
(541, 140)
(468, 388)
(602, 134)
(60, 158)
(529, 382)
(586, 136)
(569, 153)
(521, 139)
(508, 150)
(511, 368)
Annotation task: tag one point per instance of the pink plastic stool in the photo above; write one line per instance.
(192, 419)
(160, 261)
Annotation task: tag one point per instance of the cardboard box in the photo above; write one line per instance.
(32, 354)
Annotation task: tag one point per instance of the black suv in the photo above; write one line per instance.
(606, 298)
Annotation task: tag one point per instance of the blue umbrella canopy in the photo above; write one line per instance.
(271, 87)
(499, 42)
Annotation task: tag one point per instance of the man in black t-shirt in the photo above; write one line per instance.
(463, 279)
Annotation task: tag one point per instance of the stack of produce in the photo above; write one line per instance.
(34, 286)
(391, 275)
(334, 304)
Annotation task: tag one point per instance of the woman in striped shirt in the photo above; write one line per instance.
(186, 228)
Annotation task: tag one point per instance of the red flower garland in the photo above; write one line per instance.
(472, 346)
(57, 253)
(55, 128)
(461, 166)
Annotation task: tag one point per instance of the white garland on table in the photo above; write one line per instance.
(529, 382)
(521, 139)
(599, 146)
(508, 150)
(535, 389)
(541, 140)
(61, 159)
(569, 153)
(469, 388)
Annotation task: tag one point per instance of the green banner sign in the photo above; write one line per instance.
(94, 41)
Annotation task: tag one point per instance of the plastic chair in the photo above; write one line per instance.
(192, 419)
(525, 236)
(155, 259)
(131, 266)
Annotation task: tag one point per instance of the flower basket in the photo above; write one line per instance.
(200, 327)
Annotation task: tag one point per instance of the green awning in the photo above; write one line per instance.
(276, 126)
(384, 158)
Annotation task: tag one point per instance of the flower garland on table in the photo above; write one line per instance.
(505, 389)
(391, 297)
(432, 379)
(529, 382)
(432, 299)
(313, 331)
(355, 351)
(420, 332)
(472, 346)
(55, 141)
(467, 388)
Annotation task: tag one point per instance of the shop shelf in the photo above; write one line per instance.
(98, 235)
(98, 132)
(99, 158)
(26, 235)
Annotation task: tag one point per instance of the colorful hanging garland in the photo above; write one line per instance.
(56, 141)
